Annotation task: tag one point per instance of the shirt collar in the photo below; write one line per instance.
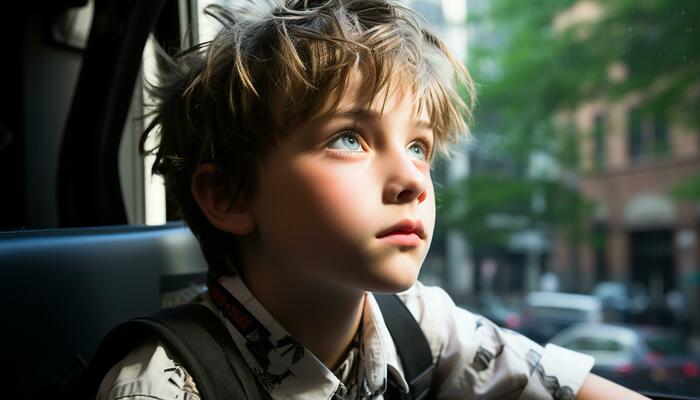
(290, 371)
(378, 348)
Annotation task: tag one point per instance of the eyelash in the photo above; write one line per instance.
(427, 147)
(423, 142)
(343, 132)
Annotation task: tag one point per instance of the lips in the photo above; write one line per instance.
(404, 233)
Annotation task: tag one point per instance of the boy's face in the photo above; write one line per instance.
(348, 199)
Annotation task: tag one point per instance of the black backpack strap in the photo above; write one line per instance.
(194, 336)
(412, 346)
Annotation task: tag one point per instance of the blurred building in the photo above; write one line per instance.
(632, 158)
(516, 266)
(631, 162)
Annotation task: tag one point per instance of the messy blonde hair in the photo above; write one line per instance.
(215, 100)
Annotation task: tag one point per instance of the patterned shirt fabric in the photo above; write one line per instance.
(475, 359)
(148, 372)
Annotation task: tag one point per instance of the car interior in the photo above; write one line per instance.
(66, 286)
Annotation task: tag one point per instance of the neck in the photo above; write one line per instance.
(321, 316)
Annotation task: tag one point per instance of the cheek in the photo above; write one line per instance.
(338, 197)
(325, 199)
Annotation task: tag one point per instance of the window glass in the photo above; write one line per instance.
(635, 140)
(660, 134)
(561, 190)
(666, 345)
(599, 141)
(593, 344)
(583, 177)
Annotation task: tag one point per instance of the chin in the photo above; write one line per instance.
(396, 280)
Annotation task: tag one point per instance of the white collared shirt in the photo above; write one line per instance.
(475, 358)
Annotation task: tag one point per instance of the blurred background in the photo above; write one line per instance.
(572, 213)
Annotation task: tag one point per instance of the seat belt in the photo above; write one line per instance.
(412, 346)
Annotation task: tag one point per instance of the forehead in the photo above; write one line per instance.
(356, 98)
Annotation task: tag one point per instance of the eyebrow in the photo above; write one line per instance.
(363, 113)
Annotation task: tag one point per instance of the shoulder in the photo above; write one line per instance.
(438, 316)
(148, 372)
(435, 310)
(421, 299)
(477, 359)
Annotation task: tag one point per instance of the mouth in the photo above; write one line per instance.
(404, 233)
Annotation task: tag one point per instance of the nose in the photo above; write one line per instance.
(405, 181)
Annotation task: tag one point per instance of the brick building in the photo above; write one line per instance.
(631, 162)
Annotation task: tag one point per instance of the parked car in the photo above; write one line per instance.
(622, 301)
(545, 314)
(643, 357)
(493, 308)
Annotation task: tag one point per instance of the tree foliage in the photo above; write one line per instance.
(545, 68)
(493, 206)
(531, 64)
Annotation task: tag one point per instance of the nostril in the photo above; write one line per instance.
(408, 195)
(405, 195)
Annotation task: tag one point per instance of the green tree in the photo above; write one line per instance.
(545, 69)
(529, 66)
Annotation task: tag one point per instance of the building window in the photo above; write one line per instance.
(599, 148)
(647, 135)
(660, 134)
(634, 135)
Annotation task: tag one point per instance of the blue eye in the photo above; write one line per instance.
(345, 142)
(417, 151)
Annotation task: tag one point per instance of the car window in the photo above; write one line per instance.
(585, 344)
(666, 346)
(559, 313)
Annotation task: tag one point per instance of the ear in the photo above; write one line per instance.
(215, 202)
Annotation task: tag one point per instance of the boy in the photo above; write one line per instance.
(298, 146)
